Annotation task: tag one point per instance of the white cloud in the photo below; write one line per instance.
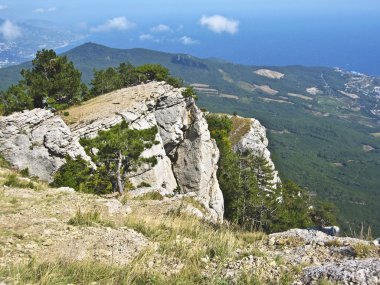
(3, 7)
(10, 31)
(220, 24)
(43, 10)
(117, 23)
(160, 28)
(188, 41)
(148, 37)
(145, 37)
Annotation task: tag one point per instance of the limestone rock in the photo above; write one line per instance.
(196, 164)
(362, 272)
(256, 142)
(37, 140)
(311, 236)
(186, 155)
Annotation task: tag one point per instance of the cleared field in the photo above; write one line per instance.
(303, 97)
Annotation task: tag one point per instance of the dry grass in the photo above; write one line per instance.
(189, 240)
(184, 239)
(363, 250)
(108, 104)
(195, 203)
(89, 218)
(240, 127)
(149, 196)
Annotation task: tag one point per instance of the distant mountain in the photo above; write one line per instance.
(324, 123)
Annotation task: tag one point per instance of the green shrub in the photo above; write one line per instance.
(25, 172)
(189, 92)
(74, 173)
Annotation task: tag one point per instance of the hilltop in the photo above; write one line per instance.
(323, 122)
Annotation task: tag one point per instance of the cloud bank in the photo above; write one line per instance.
(117, 23)
(43, 10)
(220, 24)
(10, 31)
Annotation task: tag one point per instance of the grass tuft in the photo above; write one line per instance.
(150, 196)
(363, 250)
(89, 218)
(12, 180)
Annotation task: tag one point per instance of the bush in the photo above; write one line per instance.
(189, 92)
(74, 173)
(25, 172)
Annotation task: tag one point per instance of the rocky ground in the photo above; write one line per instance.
(151, 239)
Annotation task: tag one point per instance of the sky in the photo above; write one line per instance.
(344, 33)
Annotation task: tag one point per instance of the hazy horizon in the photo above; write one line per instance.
(276, 32)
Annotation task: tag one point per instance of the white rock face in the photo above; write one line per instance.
(186, 155)
(196, 163)
(256, 142)
(37, 140)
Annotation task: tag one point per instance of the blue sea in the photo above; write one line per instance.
(346, 42)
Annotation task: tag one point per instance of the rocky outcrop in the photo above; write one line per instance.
(186, 155)
(362, 272)
(255, 141)
(37, 140)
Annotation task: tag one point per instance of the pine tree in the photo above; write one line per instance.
(117, 151)
(53, 79)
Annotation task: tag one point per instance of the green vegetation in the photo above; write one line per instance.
(116, 152)
(53, 81)
(89, 218)
(126, 75)
(150, 196)
(251, 198)
(189, 92)
(4, 163)
(12, 180)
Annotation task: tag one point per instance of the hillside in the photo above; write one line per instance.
(59, 236)
(323, 122)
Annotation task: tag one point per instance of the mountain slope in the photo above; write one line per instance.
(323, 122)
(59, 236)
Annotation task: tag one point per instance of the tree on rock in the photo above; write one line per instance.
(118, 150)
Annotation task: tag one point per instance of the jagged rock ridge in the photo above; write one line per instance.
(187, 156)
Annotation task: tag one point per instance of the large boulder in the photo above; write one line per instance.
(39, 141)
